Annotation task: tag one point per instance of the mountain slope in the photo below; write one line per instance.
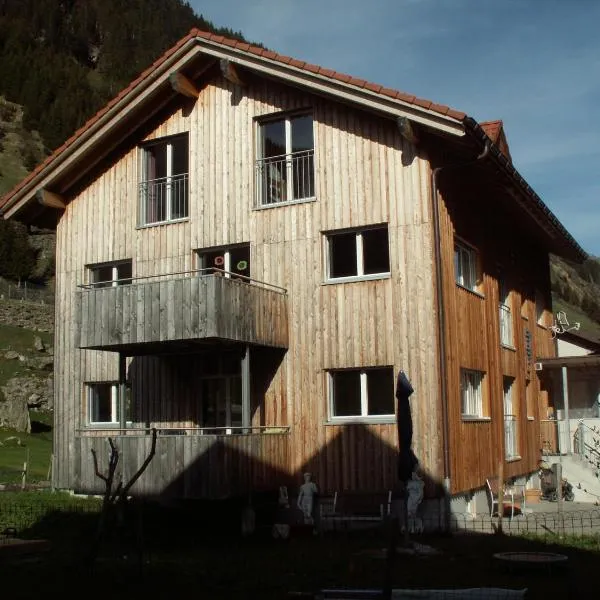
(64, 59)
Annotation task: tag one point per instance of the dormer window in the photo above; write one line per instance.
(164, 184)
(285, 163)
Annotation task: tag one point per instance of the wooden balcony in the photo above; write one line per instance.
(188, 465)
(151, 315)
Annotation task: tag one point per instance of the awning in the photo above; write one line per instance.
(589, 361)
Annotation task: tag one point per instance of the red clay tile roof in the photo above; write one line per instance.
(492, 129)
(245, 47)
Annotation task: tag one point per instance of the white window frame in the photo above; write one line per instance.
(364, 397)
(114, 392)
(471, 394)
(288, 157)
(470, 269)
(114, 266)
(505, 316)
(143, 197)
(226, 250)
(360, 258)
(511, 431)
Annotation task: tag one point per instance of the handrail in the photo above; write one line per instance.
(227, 431)
(208, 272)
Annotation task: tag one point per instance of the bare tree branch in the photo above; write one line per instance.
(96, 469)
(143, 467)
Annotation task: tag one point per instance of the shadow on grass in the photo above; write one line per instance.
(186, 550)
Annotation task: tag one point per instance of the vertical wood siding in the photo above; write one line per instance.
(365, 174)
(473, 334)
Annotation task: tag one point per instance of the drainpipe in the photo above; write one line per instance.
(437, 249)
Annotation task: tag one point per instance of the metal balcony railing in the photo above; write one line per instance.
(164, 199)
(511, 442)
(285, 178)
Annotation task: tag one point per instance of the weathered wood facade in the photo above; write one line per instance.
(157, 331)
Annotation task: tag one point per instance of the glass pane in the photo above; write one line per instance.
(156, 161)
(124, 273)
(273, 138)
(342, 255)
(380, 390)
(346, 393)
(302, 133)
(240, 260)
(101, 400)
(179, 154)
(102, 276)
(376, 254)
(213, 258)
(235, 391)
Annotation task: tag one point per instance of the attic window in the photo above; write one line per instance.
(285, 162)
(164, 184)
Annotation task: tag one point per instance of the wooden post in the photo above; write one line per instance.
(565, 386)
(246, 390)
(122, 391)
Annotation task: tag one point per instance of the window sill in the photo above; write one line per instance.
(470, 291)
(542, 326)
(468, 419)
(508, 347)
(383, 420)
(531, 418)
(286, 203)
(510, 459)
(159, 223)
(354, 278)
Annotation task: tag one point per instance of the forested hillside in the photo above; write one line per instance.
(63, 59)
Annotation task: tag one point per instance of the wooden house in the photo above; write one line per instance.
(249, 250)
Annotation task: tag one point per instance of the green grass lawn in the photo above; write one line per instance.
(34, 448)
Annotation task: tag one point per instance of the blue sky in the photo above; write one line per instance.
(533, 63)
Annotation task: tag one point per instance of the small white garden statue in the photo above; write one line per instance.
(306, 498)
(414, 493)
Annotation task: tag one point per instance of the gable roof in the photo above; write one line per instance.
(495, 131)
(393, 103)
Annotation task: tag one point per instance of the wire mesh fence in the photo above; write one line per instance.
(26, 291)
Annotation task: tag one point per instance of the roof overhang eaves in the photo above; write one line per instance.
(83, 139)
(368, 97)
(348, 91)
(589, 361)
(563, 243)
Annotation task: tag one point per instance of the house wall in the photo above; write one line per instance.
(365, 174)
(505, 247)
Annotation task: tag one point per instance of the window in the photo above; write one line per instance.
(471, 387)
(529, 400)
(221, 408)
(358, 254)
(164, 185)
(362, 393)
(103, 403)
(233, 260)
(285, 164)
(540, 305)
(465, 266)
(511, 446)
(505, 312)
(110, 274)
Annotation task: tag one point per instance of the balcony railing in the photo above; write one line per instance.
(179, 307)
(164, 199)
(506, 328)
(189, 466)
(285, 179)
(511, 441)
